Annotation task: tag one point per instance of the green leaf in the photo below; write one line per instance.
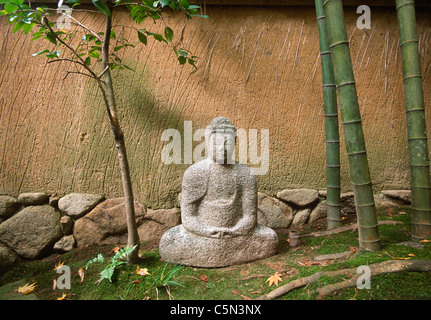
(118, 48)
(165, 2)
(184, 3)
(40, 52)
(54, 54)
(51, 37)
(169, 34)
(10, 8)
(101, 6)
(142, 37)
(158, 37)
(182, 60)
(94, 54)
(88, 61)
(28, 26)
(200, 16)
(18, 26)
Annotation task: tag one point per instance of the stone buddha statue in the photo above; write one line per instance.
(218, 209)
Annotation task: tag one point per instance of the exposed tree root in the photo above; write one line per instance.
(390, 266)
(352, 227)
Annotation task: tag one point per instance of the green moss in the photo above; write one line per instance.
(237, 282)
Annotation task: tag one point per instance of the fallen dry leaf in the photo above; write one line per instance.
(412, 255)
(62, 297)
(135, 282)
(116, 248)
(142, 271)
(425, 240)
(26, 289)
(275, 278)
(81, 274)
(58, 265)
(204, 278)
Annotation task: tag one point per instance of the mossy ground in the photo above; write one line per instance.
(243, 281)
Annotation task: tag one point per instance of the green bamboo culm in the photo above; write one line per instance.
(369, 238)
(331, 124)
(416, 126)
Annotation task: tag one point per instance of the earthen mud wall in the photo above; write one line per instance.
(258, 66)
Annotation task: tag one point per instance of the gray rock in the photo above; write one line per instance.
(272, 212)
(218, 209)
(77, 205)
(66, 223)
(299, 197)
(300, 218)
(106, 223)
(318, 212)
(157, 222)
(7, 258)
(33, 198)
(65, 244)
(401, 195)
(347, 201)
(32, 231)
(8, 206)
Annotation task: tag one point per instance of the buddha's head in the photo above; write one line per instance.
(220, 136)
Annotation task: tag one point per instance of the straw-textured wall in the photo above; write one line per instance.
(258, 66)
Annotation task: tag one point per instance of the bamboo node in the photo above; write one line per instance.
(345, 84)
(405, 4)
(409, 41)
(338, 43)
(412, 77)
(351, 122)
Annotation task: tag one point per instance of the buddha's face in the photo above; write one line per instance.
(221, 146)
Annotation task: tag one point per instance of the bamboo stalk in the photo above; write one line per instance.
(416, 126)
(331, 124)
(369, 238)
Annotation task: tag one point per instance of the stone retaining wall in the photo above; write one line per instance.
(34, 225)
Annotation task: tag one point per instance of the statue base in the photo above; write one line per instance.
(179, 246)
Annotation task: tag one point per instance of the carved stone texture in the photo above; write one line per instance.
(218, 210)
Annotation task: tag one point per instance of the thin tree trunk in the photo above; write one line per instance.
(331, 124)
(352, 126)
(416, 126)
(132, 232)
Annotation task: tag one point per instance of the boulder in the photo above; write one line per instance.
(65, 244)
(33, 198)
(299, 197)
(8, 206)
(272, 212)
(347, 201)
(157, 222)
(106, 223)
(7, 258)
(77, 205)
(318, 212)
(300, 218)
(66, 223)
(32, 231)
(401, 195)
